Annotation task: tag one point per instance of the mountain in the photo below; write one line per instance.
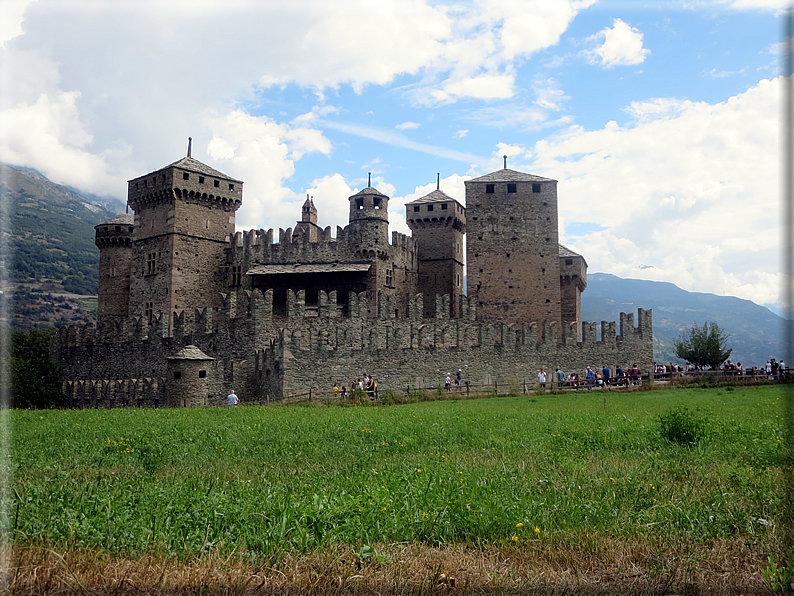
(756, 333)
(51, 246)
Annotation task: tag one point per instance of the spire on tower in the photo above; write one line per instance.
(189, 146)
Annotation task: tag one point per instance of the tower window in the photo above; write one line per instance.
(489, 188)
(118, 228)
(151, 263)
(511, 188)
(378, 202)
(237, 275)
(231, 187)
(148, 311)
(416, 208)
(201, 179)
(536, 187)
(177, 375)
(430, 207)
(443, 206)
(360, 203)
(202, 374)
(185, 176)
(389, 277)
(217, 183)
(569, 261)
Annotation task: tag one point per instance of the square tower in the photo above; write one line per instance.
(184, 218)
(438, 223)
(513, 265)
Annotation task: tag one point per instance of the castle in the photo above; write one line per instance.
(189, 308)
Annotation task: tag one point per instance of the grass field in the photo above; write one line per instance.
(583, 482)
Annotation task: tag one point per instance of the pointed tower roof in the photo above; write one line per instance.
(194, 165)
(507, 175)
(437, 196)
(190, 352)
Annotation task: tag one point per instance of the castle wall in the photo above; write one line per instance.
(265, 357)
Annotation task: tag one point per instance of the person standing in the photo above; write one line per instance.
(542, 379)
(605, 372)
(448, 383)
(458, 379)
(589, 377)
(560, 378)
(231, 399)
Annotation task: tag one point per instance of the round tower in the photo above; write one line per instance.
(369, 217)
(114, 240)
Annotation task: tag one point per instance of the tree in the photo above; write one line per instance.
(35, 380)
(703, 346)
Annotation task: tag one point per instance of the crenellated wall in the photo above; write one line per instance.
(264, 356)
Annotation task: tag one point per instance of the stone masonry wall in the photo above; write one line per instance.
(265, 357)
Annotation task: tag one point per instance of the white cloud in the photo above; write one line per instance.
(548, 94)
(11, 16)
(622, 45)
(690, 188)
(407, 126)
(461, 133)
(262, 152)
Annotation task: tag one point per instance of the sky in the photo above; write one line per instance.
(660, 120)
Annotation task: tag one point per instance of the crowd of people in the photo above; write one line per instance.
(592, 378)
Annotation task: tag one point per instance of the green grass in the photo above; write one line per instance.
(255, 481)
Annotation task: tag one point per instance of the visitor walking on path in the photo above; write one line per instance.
(231, 399)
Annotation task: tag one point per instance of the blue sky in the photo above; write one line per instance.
(659, 119)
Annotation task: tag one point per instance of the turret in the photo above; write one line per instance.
(114, 240)
(369, 218)
(438, 223)
(307, 227)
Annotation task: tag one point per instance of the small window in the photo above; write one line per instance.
(231, 187)
(151, 263)
(569, 261)
(511, 188)
(185, 176)
(202, 374)
(416, 208)
(536, 187)
(201, 179)
(148, 311)
(489, 188)
(177, 374)
(443, 206)
(118, 228)
(548, 239)
(360, 203)
(430, 207)
(508, 255)
(378, 202)
(216, 183)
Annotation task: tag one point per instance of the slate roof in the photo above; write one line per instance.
(567, 252)
(437, 196)
(308, 268)
(370, 190)
(511, 176)
(194, 165)
(190, 352)
(125, 219)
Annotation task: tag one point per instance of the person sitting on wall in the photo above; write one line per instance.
(620, 376)
(231, 399)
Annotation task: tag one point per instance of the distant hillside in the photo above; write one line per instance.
(51, 249)
(756, 332)
(52, 232)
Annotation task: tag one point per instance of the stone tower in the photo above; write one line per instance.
(307, 226)
(438, 223)
(184, 218)
(369, 228)
(512, 250)
(114, 240)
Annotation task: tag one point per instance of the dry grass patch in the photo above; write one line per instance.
(604, 566)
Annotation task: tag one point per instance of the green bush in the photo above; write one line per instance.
(681, 426)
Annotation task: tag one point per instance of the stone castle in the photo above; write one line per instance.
(189, 308)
